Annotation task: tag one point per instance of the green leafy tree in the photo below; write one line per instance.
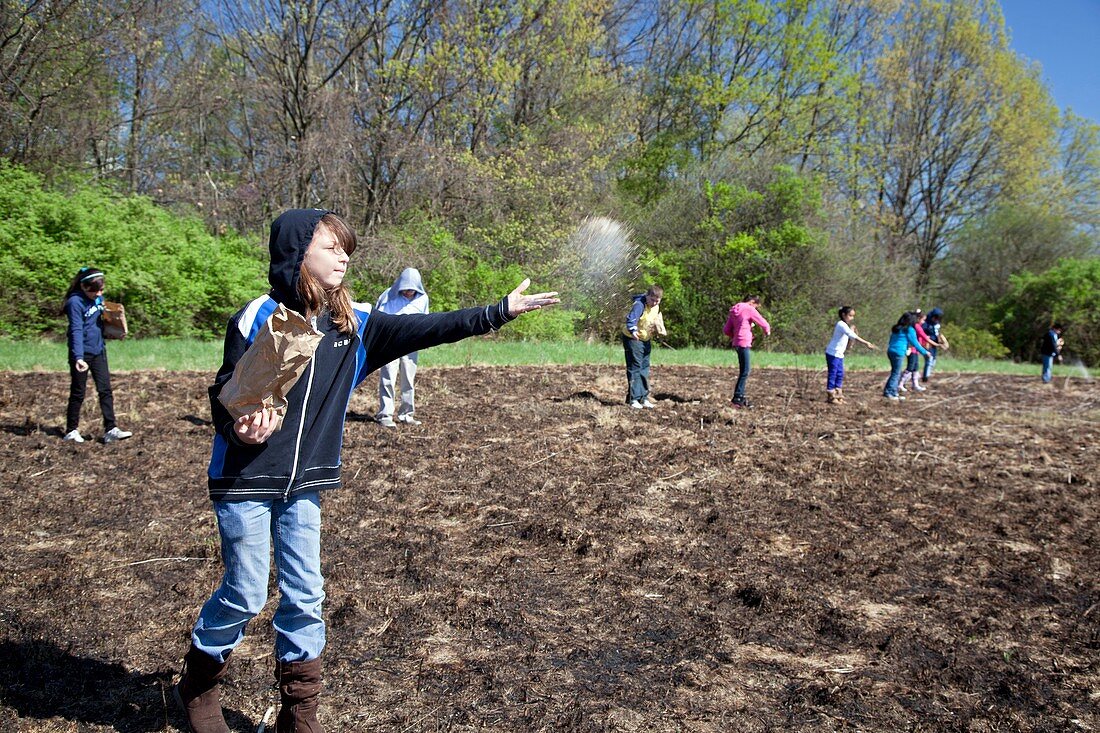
(1068, 293)
(977, 270)
(733, 240)
(959, 120)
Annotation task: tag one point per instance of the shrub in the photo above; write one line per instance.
(174, 278)
(973, 343)
(455, 275)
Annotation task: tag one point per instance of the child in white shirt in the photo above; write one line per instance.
(834, 353)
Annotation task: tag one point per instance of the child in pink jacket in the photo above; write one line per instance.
(739, 330)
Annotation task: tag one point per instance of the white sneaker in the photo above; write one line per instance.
(114, 434)
(386, 421)
(74, 436)
(902, 388)
(635, 405)
(920, 388)
(408, 420)
(648, 404)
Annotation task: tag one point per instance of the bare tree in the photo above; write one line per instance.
(56, 92)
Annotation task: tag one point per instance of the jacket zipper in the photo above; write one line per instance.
(301, 422)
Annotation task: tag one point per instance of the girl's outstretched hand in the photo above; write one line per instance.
(257, 427)
(520, 303)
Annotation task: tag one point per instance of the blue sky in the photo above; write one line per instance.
(1064, 37)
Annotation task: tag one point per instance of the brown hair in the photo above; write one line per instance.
(656, 290)
(337, 301)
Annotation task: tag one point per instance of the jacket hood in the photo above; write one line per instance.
(935, 313)
(291, 234)
(409, 279)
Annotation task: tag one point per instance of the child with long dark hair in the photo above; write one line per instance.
(265, 480)
(843, 332)
(911, 374)
(88, 353)
(902, 337)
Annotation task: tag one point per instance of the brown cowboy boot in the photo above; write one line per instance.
(299, 686)
(197, 692)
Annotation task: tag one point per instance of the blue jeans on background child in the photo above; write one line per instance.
(835, 365)
(929, 362)
(637, 368)
(897, 364)
(246, 529)
(1048, 368)
(744, 366)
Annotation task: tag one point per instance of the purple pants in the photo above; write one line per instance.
(835, 366)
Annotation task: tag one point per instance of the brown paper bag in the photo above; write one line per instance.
(657, 323)
(271, 365)
(114, 321)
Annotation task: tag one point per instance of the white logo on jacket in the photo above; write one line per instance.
(341, 342)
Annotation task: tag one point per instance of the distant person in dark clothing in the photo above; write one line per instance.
(1051, 351)
(933, 328)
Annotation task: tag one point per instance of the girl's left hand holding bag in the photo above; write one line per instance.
(258, 426)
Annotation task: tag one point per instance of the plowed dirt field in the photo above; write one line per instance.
(536, 556)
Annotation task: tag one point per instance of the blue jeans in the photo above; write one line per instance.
(246, 529)
(835, 365)
(897, 364)
(744, 366)
(637, 368)
(1048, 368)
(930, 362)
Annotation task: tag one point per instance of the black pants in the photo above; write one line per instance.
(78, 384)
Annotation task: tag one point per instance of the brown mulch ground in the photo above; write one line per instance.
(536, 556)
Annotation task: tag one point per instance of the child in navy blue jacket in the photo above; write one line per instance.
(88, 353)
(265, 478)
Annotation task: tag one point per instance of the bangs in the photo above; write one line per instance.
(345, 237)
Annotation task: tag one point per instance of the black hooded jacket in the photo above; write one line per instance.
(304, 455)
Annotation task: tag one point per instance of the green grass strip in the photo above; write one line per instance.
(191, 354)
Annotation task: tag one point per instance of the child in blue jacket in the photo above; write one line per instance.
(903, 336)
(88, 353)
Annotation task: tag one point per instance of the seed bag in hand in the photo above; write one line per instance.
(114, 321)
(271, 365)
(657, 323)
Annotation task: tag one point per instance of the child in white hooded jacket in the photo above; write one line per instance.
(406, 295)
